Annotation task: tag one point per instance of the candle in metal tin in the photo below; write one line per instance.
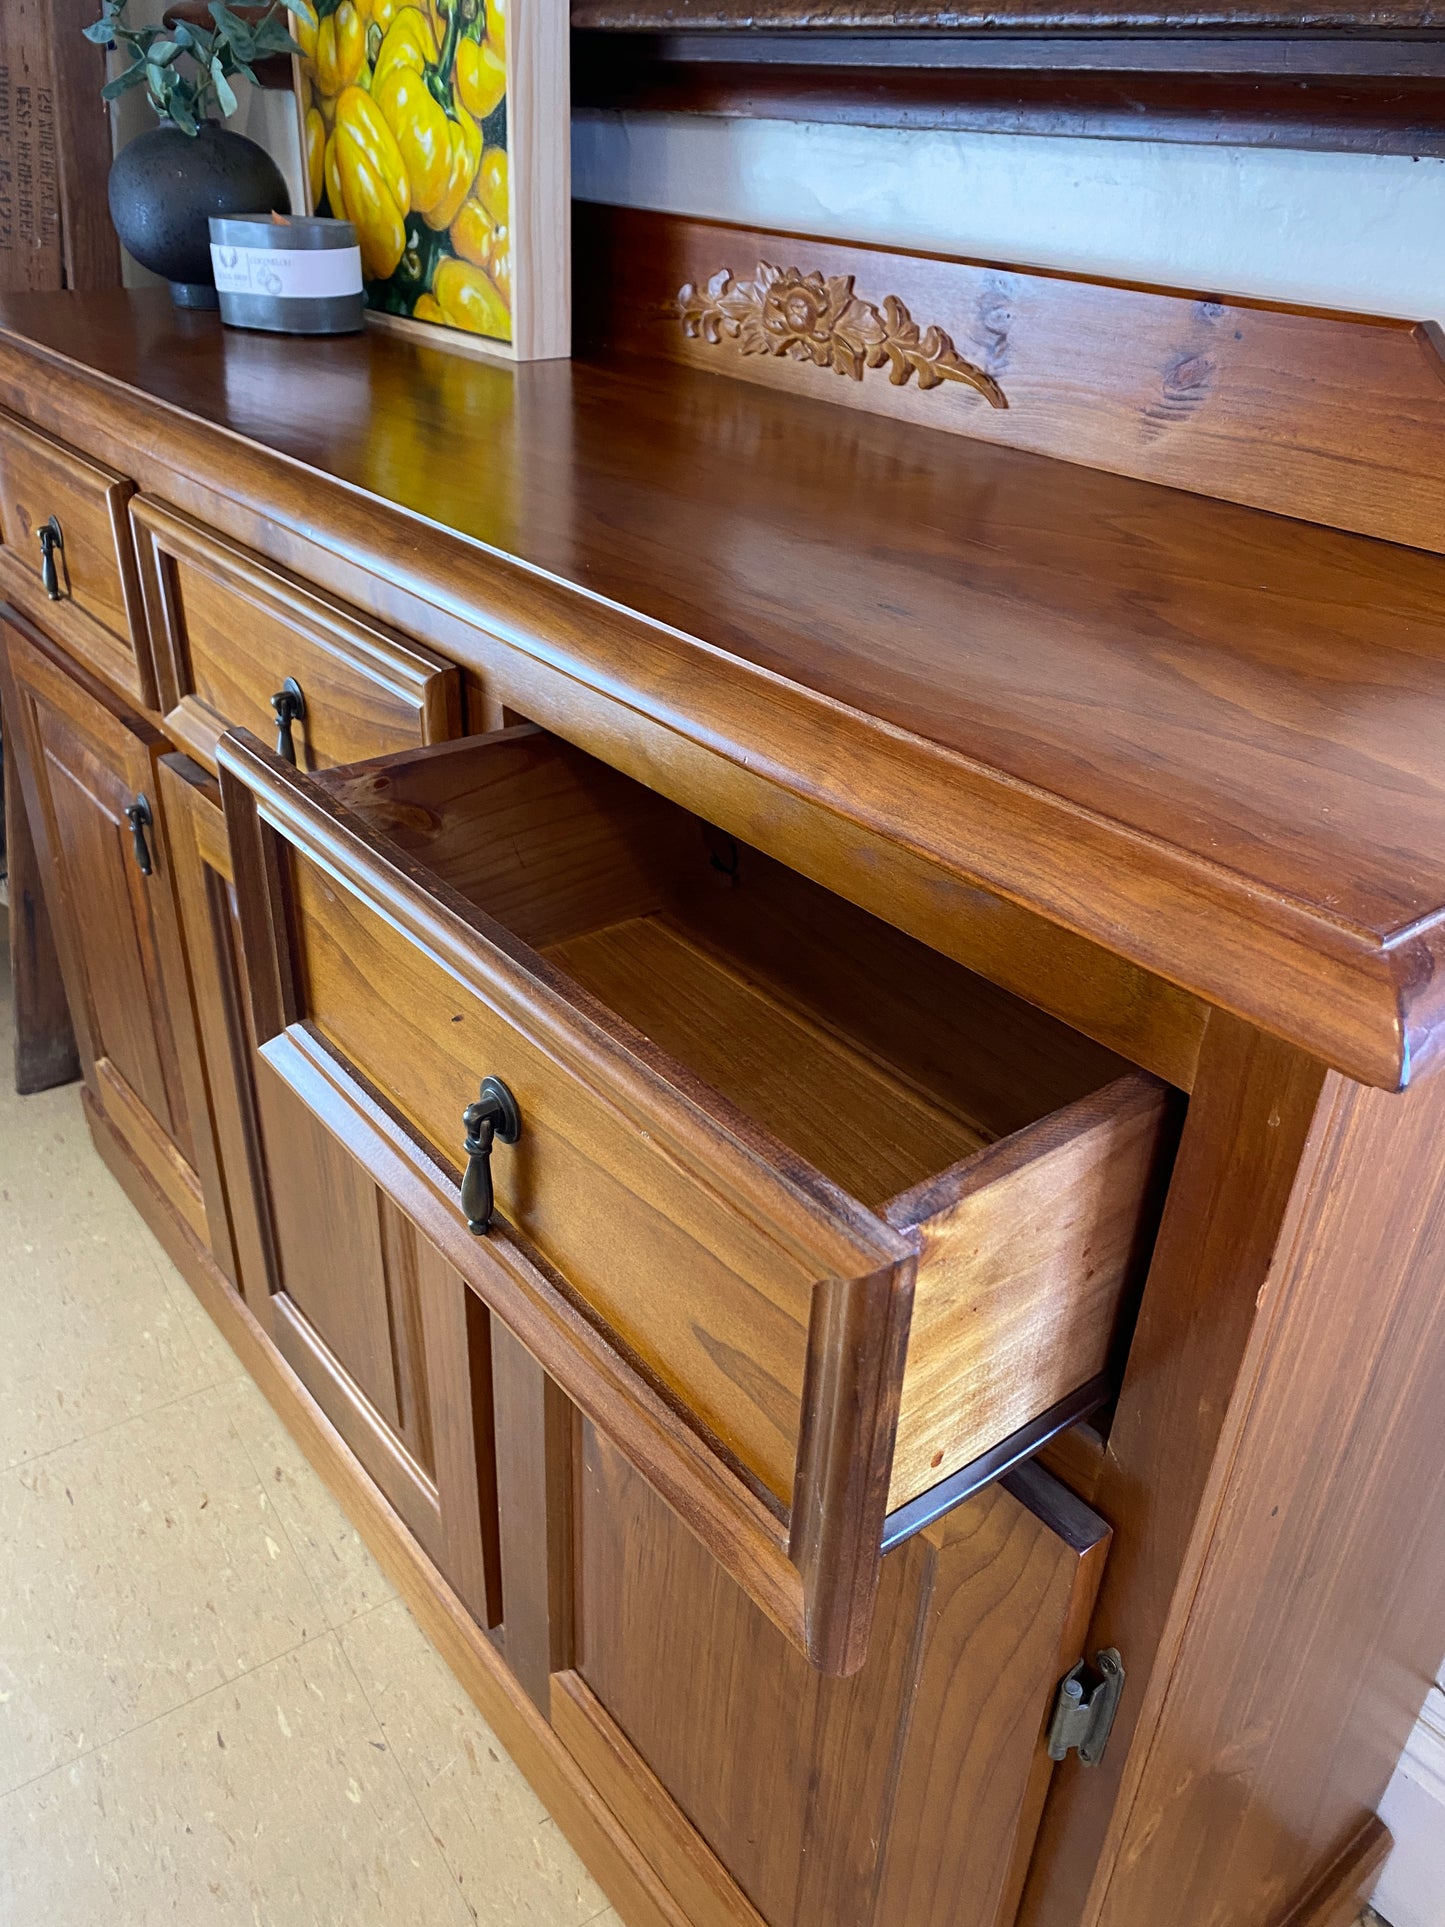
(293, 275)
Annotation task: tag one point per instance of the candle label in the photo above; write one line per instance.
(295, 273)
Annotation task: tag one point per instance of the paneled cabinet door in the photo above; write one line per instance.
(379, 1328)
(87, 770)
(764, 1793)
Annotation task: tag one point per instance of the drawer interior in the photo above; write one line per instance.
(878, 1061)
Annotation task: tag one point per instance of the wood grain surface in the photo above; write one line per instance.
(1244, 1137)
(704, 1156)
(664, 1834)
(85, 758)
(221, 1086)
(31, 244)
(84, 146)
(1032, 1258)
(903, 1797)
(1063, 686)
(1040, 709)
(1322, 1474)
(533, 1430)
(1265, 1450)
(1327, 417)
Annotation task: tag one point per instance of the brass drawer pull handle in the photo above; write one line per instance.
(138, 815)
(494, 1115)
(51, 542)
(290, 707)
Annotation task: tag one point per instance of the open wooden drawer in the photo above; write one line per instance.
(822, 1230)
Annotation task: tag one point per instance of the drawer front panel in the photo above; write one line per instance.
(96, 609)
(230, 631)
(675, 1267)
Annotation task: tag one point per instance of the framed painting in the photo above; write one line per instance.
(440, 130)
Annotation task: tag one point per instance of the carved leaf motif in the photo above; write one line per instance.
(821, 321)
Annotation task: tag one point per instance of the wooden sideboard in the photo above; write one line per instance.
(796, 1040)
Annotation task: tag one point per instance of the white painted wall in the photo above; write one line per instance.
(1411, 1892)
(1334, 230)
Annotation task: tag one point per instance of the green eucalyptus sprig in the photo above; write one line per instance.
(186, 69)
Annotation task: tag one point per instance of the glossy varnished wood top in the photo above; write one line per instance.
(1249, 708)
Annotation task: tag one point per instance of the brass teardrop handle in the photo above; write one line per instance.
(138, 815)
(494, 1115)
(290, 707)
(51, 543)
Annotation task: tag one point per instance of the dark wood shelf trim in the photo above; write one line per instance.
(916, 18)
(1222, 52)
(1361, 81)
(1244, 103)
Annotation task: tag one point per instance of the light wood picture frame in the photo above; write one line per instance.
(440, 128)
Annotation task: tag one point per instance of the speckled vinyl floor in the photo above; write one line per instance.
(213, 1707)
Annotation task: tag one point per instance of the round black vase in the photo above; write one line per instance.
(166, 185)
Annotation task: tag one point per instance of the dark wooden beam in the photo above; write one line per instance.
(1382, 94)
(1336, 17)
(83, 142)
(55, 150)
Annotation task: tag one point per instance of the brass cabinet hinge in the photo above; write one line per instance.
(1083, 1713)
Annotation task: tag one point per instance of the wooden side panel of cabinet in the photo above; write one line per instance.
(45, 1050)
(904, 1796)
(1274, 1476)
(1317, 1619)
(377, 1325)
(84, 760)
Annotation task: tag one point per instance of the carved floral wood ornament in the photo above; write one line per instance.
(818, 318)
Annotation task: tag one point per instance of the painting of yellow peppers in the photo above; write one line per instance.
(405, 107)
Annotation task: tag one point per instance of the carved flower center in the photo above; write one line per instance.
(802, 310)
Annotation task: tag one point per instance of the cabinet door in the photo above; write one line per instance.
(762, 1791)
(84, 763)
(379, 1328)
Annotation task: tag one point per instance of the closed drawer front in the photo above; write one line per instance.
(86, 591)
(232, 635)
(817, 1220)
